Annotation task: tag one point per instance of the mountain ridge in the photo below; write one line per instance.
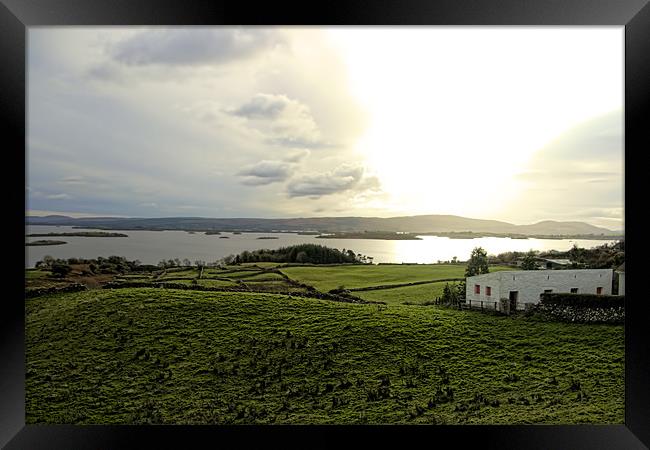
(413, 224)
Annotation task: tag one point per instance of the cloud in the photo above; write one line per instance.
(266, 172)
(283, 121)
(297, 156)
(192, 117)
(191, 46)
(578, 174)
(263, 106)
(57, 196)
(344, 178)
(107, 72)
(73, 180)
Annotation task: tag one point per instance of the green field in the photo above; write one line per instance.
(216, 283)
(186, 357)
(242, 274)
(264, 276)
(325, 278)
(187, 273)
(397, 296)
(265, 265)
(32, 274)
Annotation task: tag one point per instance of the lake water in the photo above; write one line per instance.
(151, 246)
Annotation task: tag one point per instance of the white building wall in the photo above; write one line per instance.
(621, 283)
(492, 280)
(531, 283)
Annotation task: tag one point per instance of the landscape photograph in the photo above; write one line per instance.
(343, 225)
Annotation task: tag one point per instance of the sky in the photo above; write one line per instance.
(519, 124)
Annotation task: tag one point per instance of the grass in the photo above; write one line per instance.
(414, 294)
(268, 276)
(325, 278)
(31, 274)
(188, 273)
(185, 357)
(216, 283)
(265, 265)
(243, 273)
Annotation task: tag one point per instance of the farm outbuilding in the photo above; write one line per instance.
(526, 286)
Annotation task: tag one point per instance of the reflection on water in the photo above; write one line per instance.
(151, 246)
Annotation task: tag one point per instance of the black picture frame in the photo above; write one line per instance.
(17, 15)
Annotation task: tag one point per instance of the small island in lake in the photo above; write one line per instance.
(46, 242)
(81, 234)
(267, 237)
(224, 237)
(212, 232)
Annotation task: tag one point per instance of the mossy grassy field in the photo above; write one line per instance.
(31, 274)
(419, 293)
(325, 278)
(150, 355)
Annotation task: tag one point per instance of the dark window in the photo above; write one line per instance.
(599, 290)
(548, 291)
(477, 288)
(488, 291)
(574, 290)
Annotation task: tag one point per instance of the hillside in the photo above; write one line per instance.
(414, 224)
(151, 355)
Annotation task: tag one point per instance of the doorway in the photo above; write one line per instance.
(514, 296)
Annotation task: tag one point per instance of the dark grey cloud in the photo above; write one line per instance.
(266, 172)
(341, 179)
(192, 46)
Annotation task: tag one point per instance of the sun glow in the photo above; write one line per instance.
(456, 113)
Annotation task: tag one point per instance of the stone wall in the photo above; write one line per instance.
(576, 314)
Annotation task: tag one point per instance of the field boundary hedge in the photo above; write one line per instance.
(37, 292)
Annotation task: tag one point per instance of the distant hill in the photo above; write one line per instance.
(411, 224)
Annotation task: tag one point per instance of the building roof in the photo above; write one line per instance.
(558, 261)
(541, 272)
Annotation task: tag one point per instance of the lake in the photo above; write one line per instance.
(152, 246)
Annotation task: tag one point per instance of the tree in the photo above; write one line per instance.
(449, 294)
(460, 290)
(187, 262)
(47, 261)
(302, 257)
(478, 263)
(60, 269)
(529, 262)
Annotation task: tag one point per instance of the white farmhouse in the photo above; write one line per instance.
(526, 286)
